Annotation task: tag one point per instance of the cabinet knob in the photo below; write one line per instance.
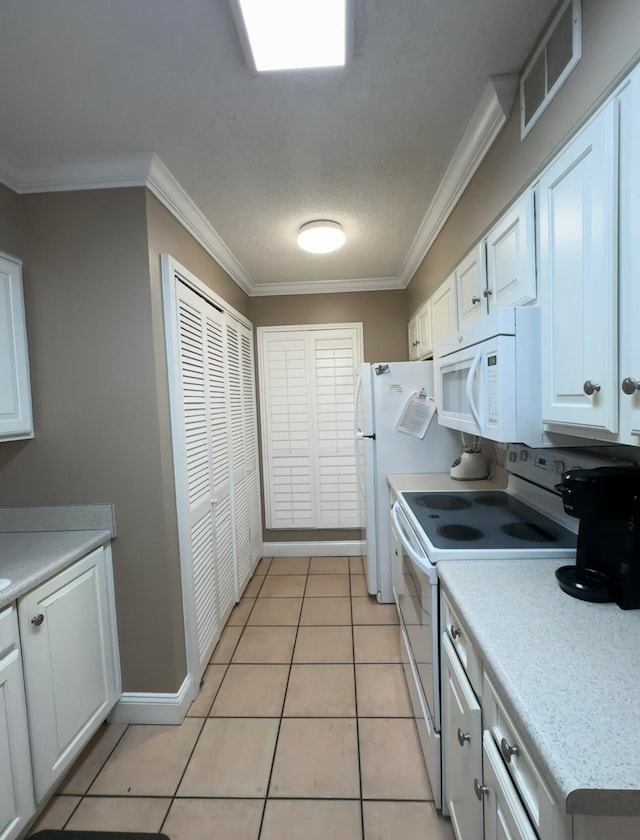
(630, 385)
(487, 292)
(462, 737)
(479, 789)
(455, 632)
(590, 387)
(37, 620)
(508, 750)
(475, 299)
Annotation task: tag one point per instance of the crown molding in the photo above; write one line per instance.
(487, 120)
(319, 287)
(168, 190)
(77, 174)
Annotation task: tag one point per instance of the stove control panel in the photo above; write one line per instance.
(546, 466)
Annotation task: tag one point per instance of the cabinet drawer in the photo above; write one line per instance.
(9, 636)
(461, 641)
(537, 799)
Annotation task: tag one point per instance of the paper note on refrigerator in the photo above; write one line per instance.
(417, 414)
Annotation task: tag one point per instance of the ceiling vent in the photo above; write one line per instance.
(557, 54)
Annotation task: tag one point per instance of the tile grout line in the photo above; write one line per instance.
(355, 694)
(284, 700)
(86, 792)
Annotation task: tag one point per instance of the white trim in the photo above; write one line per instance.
(147, 170)
(320, 287)
(169, 192)
(339, 548)
(143, 707)
(484, 126)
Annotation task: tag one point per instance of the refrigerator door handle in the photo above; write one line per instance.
(359, 436)
(356, 403)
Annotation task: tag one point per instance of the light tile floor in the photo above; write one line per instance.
(302, 729)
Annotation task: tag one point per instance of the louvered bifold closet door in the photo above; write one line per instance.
(197, 459)
(251, 444)
(286, 400)
(220, 465)
(336, 358)
(238, 461)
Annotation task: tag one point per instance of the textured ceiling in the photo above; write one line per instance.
(260, 155)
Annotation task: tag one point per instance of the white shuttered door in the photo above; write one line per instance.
(307, 381)
(197, 459)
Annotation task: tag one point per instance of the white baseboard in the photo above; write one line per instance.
(340, 548)
(141, 707)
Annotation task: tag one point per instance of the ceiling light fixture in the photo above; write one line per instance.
(321, 237)
(292, 34)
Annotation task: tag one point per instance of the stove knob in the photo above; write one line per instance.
(558, 467)
(523, 454)
(512, 457)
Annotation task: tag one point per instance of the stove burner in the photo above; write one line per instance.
(443, 501)
(527, 531)
(463, 533)
(493, 501)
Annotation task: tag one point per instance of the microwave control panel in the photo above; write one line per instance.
(492, 388)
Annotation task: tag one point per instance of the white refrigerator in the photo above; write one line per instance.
(381, 396)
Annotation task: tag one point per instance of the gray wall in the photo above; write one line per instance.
(611, 40)
(93, 373)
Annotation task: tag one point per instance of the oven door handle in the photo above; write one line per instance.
(469, 389)
(422, 562)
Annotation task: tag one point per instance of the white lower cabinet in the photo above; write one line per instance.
(67, 632)
(504, 816)
(16, 786)
(462, 747)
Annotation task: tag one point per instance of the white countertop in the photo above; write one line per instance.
(442, 482)
(568, 671)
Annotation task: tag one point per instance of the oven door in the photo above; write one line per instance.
(416, 586)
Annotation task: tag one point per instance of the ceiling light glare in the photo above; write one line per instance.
(321, 237)
(294, 34)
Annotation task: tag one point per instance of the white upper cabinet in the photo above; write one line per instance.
(578, 279)
(15, 389)
(444, 311)
(420, 339)
(629, 266)
(470, 286)
(511, 276)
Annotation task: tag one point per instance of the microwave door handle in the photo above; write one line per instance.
(469, 389)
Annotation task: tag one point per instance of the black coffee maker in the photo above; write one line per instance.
(606, 500)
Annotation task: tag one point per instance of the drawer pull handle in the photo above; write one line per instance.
(630, 385)
(462, 737)
(37, 620)
(455, 632)
(590, 387)
(475, 299)
(479, 789)
(508, 750)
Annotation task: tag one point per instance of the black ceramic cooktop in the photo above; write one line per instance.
(485, 520)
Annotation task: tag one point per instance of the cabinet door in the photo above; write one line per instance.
(511, 278)
(629, 373)
(462, 747)
(504, 816)
(578, 279)
(425, 345)
(470, 285)
(16, 786)
(414, 342)
(444, 312)
(67, 636)
(15, 389)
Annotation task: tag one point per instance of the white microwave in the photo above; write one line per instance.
(488, 378)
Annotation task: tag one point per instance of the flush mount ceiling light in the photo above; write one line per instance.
(292, 34)
(321, 237)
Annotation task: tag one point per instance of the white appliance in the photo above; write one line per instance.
(382, 392)
(488, 378)
(526, 521)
